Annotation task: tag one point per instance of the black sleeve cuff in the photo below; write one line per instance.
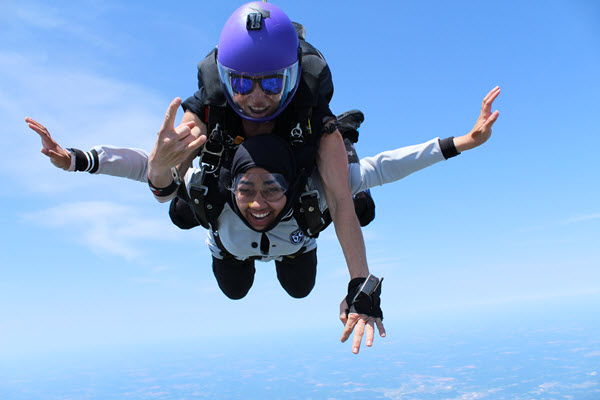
(448, 148)
(86, 161)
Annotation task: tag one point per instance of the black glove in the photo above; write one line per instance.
(363, 296)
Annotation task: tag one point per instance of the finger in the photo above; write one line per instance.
(380, 327)
(344, 319)
(197, 143)
(185, 127)
(370, 330)
(352, 320)
(190, 124)
(52, 154)
(488, 100)
(344, 311)
(359, 331)
(39, 129)
(184, 133)
(32, 121)
(169, 122)
(492, 119)
(495, 91)
(47, 140)
(36, 126)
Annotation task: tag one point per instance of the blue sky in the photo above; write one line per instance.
(511, 226)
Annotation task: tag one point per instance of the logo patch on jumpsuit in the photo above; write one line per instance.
(297, 236)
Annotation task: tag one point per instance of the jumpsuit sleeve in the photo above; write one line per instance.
(123, 162)
(393, 165)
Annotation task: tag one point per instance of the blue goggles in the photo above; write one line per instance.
(272, 84)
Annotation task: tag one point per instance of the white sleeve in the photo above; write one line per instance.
(119, 161)
(393, 165)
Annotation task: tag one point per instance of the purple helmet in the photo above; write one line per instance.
(258, 50)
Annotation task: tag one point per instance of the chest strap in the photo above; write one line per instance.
(309, 216)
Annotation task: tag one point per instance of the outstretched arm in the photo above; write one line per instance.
(122, 162)
(333, 168)
(393, 165)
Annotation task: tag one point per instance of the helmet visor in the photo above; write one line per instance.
(259, 97)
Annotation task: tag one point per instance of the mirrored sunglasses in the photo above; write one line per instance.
(272, 84)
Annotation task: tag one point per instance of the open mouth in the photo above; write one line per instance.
(260, 219)
(260, 216)
(259, 110)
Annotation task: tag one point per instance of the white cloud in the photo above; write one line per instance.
(106, 227)
(80, 109)
(36, 15)
(582, 218)
(25, 16)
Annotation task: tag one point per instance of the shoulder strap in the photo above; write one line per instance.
(204, 204)
(308, 215)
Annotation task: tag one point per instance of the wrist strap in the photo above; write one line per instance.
(364, 296)
(163, 192)
(73, 160)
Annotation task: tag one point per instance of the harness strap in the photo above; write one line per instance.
(296, 254)
(198, 203)
(212, 151)
(311, 212)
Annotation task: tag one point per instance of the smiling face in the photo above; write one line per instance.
(259, 96)
(260, 197)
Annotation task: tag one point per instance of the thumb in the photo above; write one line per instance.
(493, 117)
(344, 312)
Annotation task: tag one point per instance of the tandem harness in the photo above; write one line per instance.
(207, 197)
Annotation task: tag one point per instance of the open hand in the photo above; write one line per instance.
(359, 323)
(58, 156)
(482, 130)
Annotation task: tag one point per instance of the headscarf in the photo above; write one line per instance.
(266, 151)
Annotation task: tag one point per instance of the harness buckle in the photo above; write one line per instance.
(203, 189)
(312, 194)
(309, 206)
(176, 177)
(296, 135)
(212, 150)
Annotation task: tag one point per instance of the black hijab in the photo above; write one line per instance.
(266, 151)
